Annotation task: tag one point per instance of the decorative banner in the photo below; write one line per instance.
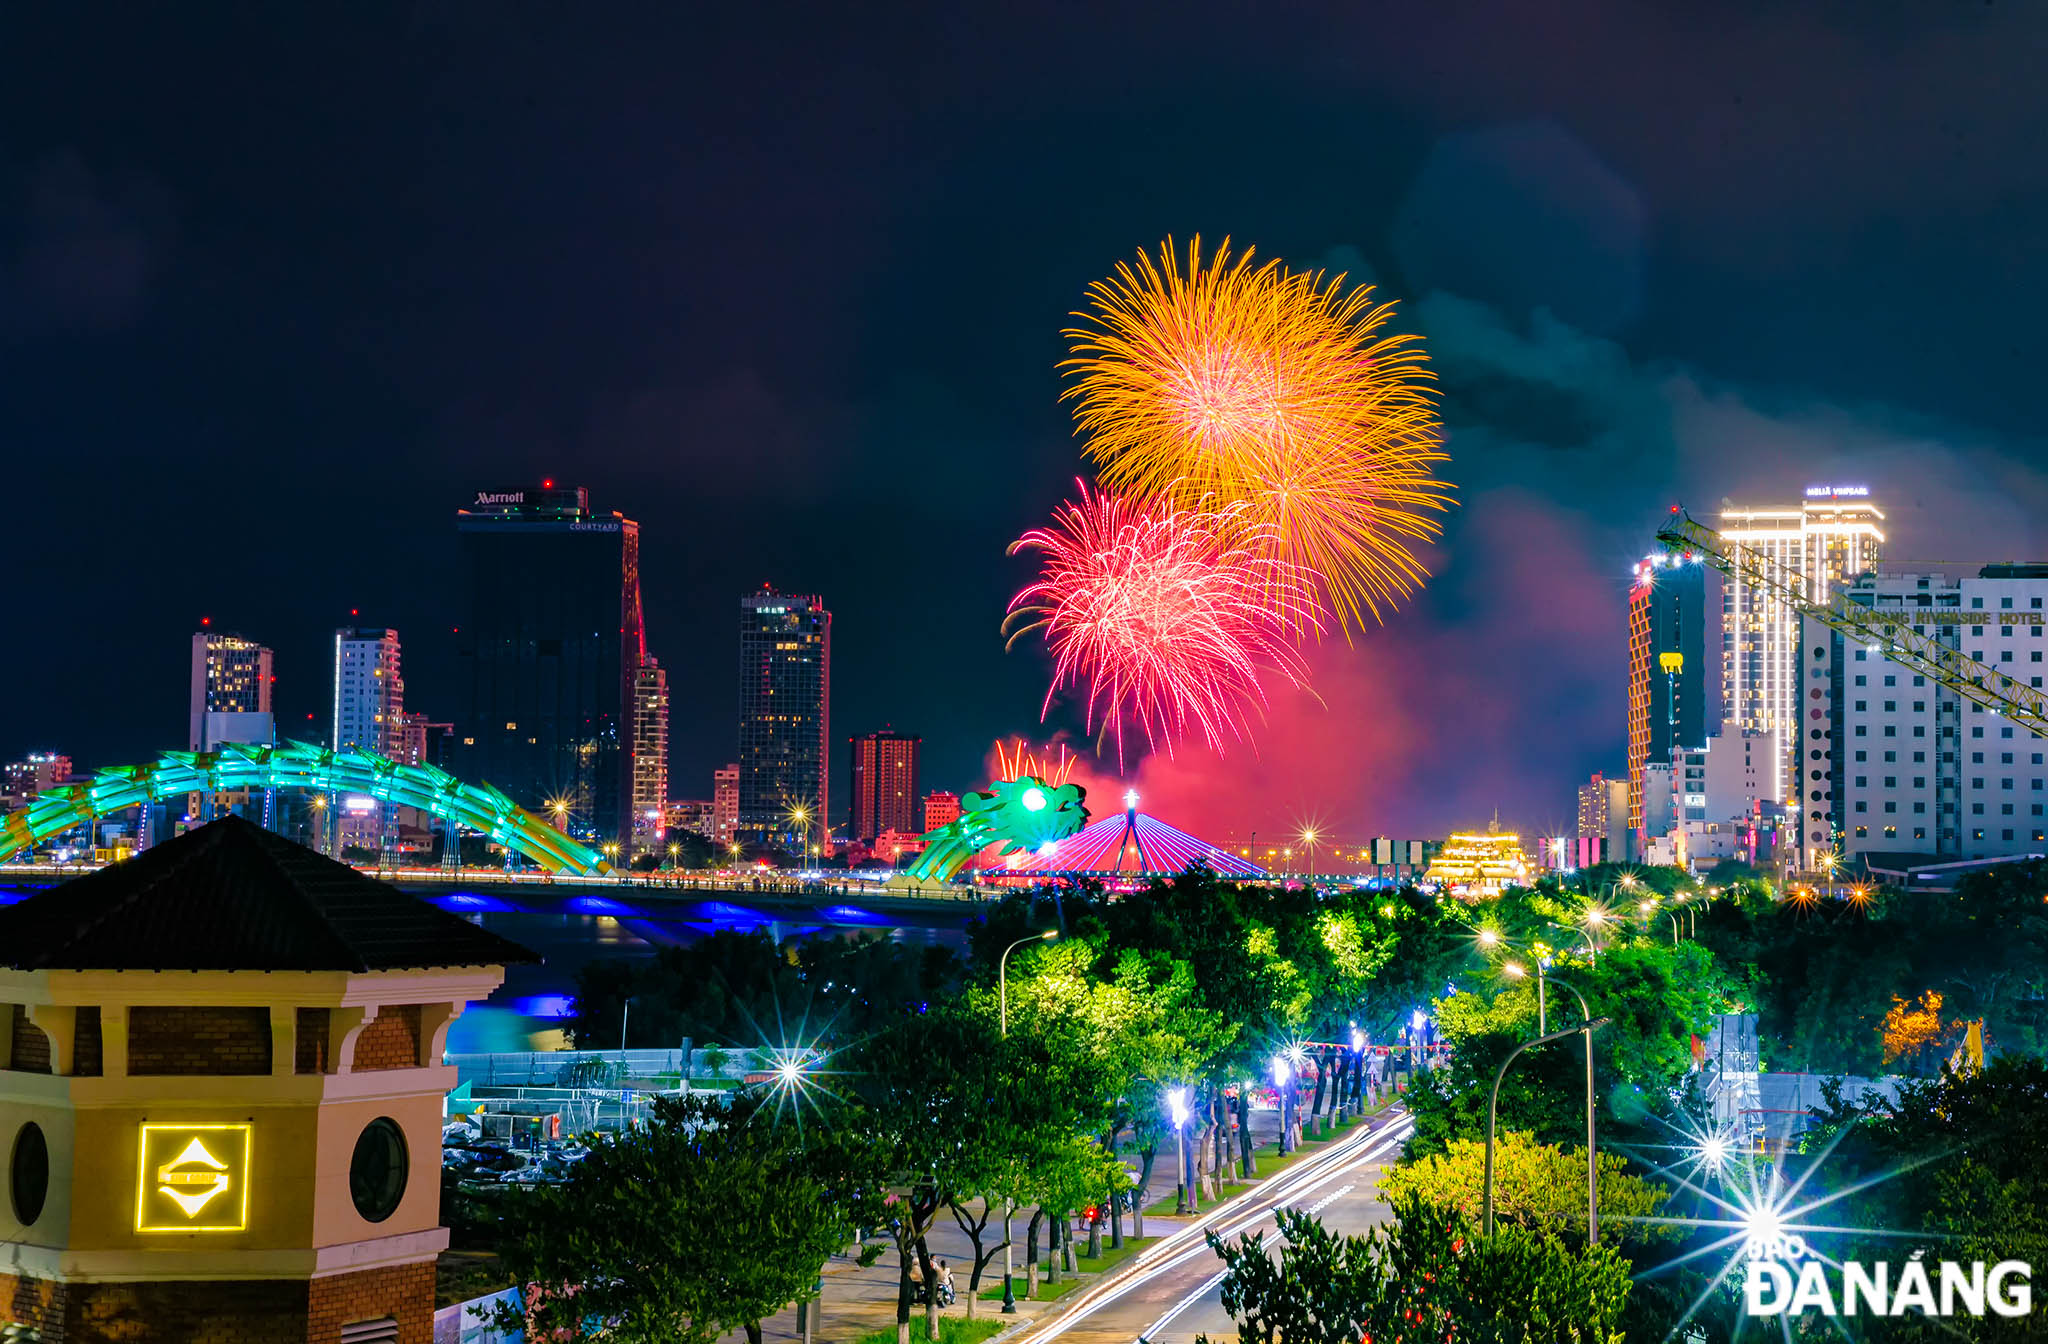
(192, 1178)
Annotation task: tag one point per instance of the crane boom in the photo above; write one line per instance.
(1890, 633)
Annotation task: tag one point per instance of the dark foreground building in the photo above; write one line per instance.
(220, 1097)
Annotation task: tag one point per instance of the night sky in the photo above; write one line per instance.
(282, 286)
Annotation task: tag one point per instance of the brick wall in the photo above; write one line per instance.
(31, 1047)
(198, 1040)
(309, 1041)
(402, 1291)
(85, 1044)
(391, 1041)
(33, 1302)
(261, 1311)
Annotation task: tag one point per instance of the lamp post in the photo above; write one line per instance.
(1003, 1018)
(1592, 1161)
(1177, 1103)
(1281, 1074)
(1493, 1111)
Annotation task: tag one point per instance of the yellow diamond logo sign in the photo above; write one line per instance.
(192, 1178)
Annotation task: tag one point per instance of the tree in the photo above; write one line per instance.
(1537, 1186)
(944, 1103)
(709, 1218)
(1429, 1276)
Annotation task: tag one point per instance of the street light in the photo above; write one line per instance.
(1003, 1017)
(1492, 1116)
(1177, 1103)
(1282, 1072)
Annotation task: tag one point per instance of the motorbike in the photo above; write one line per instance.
(920, 1295)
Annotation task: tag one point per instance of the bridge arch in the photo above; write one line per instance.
(299, 765)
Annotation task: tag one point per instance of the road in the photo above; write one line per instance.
(1175, 1295)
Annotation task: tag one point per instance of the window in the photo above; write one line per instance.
(2005, 602)
(1976, 833)
(1891, 756)
(1891, 807)
(1860, 732)
(2005, 732)
(1919, 681)
(1977, 782)
(1859, 658)
(1891, 832)
(28, 1174)
(1919, 706)
(2005, 783)
(1977, 730)
(1919, 781)
(377, 1171)
(1861, 755)
(1860, 678)
(1919, 832)
(1862, 806)
(1862, 832)
(2005, 655)
(1891, 730)
(2005, 758)
(1919, 758)
(1862, 781)
(1977, 809)
(1890, 680)
(1976, 758)
(1891, 706)
(1862, 705)
(1919, 807)
(1891, 781)
(2005, 809)
(1919, 730)
(1977, 602)
(2006, 834)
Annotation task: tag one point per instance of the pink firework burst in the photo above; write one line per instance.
(1165, 618)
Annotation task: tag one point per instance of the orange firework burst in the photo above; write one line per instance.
(1015, 760)
(1275, 391)
(1162, 617)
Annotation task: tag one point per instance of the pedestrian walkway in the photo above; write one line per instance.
(861, 1301)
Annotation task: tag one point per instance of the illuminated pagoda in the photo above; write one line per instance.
(1480, 864)
(1128, 844)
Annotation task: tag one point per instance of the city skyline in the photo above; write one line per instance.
(1611, 335)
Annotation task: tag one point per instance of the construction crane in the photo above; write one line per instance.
(1889, 632)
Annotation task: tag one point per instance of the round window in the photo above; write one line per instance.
(377, 1172)
(28, 1174)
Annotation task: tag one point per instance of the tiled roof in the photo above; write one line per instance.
(231, 896)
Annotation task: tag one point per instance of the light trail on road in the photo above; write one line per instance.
(1173, 1252)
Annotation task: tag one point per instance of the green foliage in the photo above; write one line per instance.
(709, 1218)
(1429, 1276)
(1536, 1186)
(1656, 996)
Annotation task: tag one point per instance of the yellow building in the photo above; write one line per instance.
(221, 1097)
(1480, 864)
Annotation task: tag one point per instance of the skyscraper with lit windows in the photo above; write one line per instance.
(1833, 535)
(785, 719)
(549, 649)
(884, 783)
(1666, 674)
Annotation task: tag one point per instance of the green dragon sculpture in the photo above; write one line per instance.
(1021, 814)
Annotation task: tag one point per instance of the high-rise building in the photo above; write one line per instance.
(785, 718)
(549, 651)
(1666, 668)
(369, 692)
(1908, 766)
(884, 779)
(650, 757)
(231, 685)
(940, 808)
(1593, 809)
(725, 803)
(369, 712)
(422, 742)
(1832, 536)
(26, 779)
